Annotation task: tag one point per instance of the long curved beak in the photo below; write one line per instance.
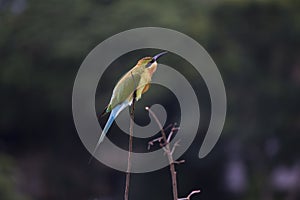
(159, 55)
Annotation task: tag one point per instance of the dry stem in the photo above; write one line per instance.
(189, 196)
(169, 154)
(166, 146)
(126, 194)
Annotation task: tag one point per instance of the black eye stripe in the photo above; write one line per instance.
(150, 62)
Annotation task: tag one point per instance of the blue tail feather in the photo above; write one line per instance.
(114, 113)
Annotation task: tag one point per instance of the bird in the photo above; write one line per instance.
(132, 85)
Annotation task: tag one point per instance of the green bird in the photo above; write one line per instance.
(137, 79)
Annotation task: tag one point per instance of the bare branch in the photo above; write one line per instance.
(166, 147)
(174, 146)
(160, 139)
(179, 161)
(189, 196)
(131, 110)
(169, 137)
(173, 129)
(151, 143)
(168, 152)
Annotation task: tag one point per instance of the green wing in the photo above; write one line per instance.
(124, 89)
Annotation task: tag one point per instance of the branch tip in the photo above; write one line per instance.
(189, 196)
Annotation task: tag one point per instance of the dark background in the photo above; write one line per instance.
(255, 44)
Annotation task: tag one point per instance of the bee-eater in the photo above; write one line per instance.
(135, 81)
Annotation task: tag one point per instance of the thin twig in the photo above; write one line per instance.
(126, 195)
(174, 146)
(173, 129)
(168, 152)
(151, 143)
(159, 139)
(179, 161)
(189, 196)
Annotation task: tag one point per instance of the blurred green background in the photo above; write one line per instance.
(255, 44)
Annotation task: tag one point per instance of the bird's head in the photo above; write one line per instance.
(151, 62)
